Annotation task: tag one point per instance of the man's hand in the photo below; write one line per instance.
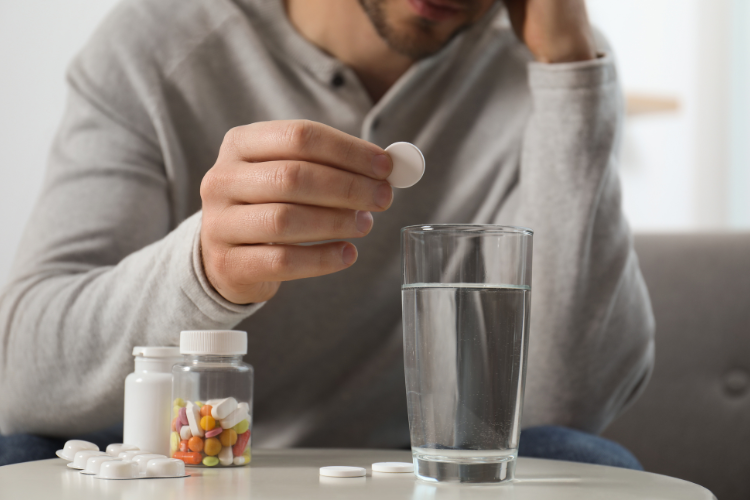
(287, 182)
(554, 30)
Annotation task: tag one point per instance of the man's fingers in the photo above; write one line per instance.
(308, 141)
(250, 264)
(288, 223)
(294, 181)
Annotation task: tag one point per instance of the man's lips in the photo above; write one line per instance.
(436, 10)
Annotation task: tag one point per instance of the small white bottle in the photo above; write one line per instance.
(148, 392)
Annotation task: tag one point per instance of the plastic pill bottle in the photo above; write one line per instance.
(147, 395)
(212, 399)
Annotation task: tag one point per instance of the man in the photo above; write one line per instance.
(182, 155)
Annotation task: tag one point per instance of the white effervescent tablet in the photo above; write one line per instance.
(117, 469)
(341, 471)
(165, 467)
(79, 461)
(93, 464)
(142, 460)
(393, 467)
(73, 446)
(408, 164)
(115, 449)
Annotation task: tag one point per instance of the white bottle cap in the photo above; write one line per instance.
(219, 342)
(342, 471)
(156, 351)
(408, 164)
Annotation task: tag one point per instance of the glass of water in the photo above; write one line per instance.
(466, 296)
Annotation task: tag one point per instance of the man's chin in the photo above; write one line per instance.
(412, 36)
(415, 43)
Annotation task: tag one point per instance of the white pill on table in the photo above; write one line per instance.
(165, 467)
(115, 449)
(223, 408)
(234, 418)
(117, 469)
(408, 164)
(75, 445)
(342, 471)
(193, 413)
(185, 432)
(127, 456)
(142, 460)
(79, 461)
(393, 467)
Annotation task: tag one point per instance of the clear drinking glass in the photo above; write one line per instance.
(466, 296)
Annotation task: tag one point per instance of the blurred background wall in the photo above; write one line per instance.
(37, 40)
(684, 64)
(685, 68)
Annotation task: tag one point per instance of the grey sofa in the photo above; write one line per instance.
(693, 420)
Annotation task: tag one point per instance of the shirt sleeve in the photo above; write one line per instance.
(591, 346)
(103, 266)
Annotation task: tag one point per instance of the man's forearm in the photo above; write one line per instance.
(67, 336)
(591, 316)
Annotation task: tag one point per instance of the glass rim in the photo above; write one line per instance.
(468, 228)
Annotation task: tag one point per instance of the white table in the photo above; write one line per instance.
(281, 474)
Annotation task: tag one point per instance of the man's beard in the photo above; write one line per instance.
(414, 46)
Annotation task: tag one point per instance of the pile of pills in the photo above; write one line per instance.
(120, 461)
(348, 471)
(213, 433)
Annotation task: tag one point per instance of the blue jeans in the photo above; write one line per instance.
(556, 443)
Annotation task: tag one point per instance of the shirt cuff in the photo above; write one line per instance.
(199, 290)
(571, 75)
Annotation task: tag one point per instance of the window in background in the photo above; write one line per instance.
(685, 68)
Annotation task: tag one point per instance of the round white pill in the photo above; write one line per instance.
(408, 164)
(239, 460)
(79, 461)
(115, 449)
(117, 469)
(75, 445)
(165, 467)
(94, 463)
(341, 471)
(142, 460)
(393, 467)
